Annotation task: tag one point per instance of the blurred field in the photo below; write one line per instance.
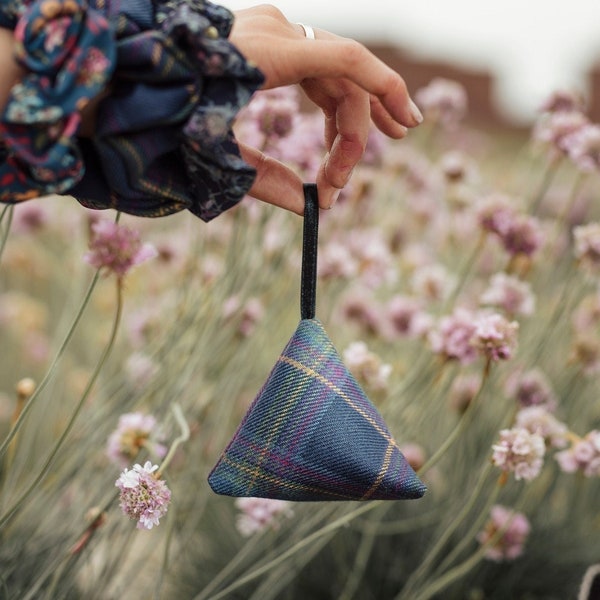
(204, 322)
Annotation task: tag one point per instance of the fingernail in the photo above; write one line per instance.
(415, 112)
(334, 198)
(348, 176)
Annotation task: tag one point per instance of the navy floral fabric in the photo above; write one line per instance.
(163, 140)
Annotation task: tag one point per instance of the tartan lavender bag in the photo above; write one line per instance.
(311, 433)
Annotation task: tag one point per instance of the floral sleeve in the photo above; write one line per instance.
(163, 140)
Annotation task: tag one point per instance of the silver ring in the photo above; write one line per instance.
(309, 32)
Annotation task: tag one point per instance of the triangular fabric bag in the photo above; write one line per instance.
(311, 433)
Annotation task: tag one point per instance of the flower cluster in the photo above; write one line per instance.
(495, 337)
(512, 529)
(259, 514)
(465, 335)
(509, 293)
(366, 366)
(519, 233)
(247, 315)
(116, 248)
(143, 497)
(537, 419)
(531, 388)
(134, 431)
(583, 455)
(442, 101)
(520, 452)
(587, 247)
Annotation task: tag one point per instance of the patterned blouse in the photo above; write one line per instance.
(163, 140)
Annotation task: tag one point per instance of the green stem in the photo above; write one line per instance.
(18, 505)
(183, 437)
(307, 541)
(545, 184)
(446, 535)
(463, 568)
(360, 564)
(464, 271)
(460, 426)
(8, 210)
(57, 567)
(475, 526)
(17, 425)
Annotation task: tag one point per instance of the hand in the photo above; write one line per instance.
(349, 84)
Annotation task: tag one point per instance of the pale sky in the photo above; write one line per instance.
(533, 47)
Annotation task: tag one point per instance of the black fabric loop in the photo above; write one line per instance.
(308, 285)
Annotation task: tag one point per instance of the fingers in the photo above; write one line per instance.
(275, 183)
(347, 122)
(286, 57)
(339, 58)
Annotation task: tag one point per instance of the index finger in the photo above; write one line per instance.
(330, 56)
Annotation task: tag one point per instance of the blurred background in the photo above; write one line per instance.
(510, 55)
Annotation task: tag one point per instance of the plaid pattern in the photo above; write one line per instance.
(312, 434)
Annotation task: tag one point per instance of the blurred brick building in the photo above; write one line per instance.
(418, 73)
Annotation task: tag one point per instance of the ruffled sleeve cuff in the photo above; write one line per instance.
(69, 52)
(164, 139)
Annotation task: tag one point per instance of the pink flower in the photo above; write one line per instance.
(495, 337)
(563, 101)
(583, 147)
(406, 317)
(443, 101)
(274, 122)
(273, 111)
(457, 168)
(587, 314)
(463, 391)
(537, 419)
(116, 248)
(336, 261)
(522, 236)
(414, 455)
(361, 308)
(246, 315)
(432, 282)
(587, 246)
(515, 529)
(142, 496)
(140, 369)
(29, 217)
(583, 455)
(134, 431)
(509, 293)
(375, 262)
(258, 514)
(554, 129)
(496, 213)
(531, 388)
(520, 452)
(366, 366)
(586, 352)
(452, 337)
(377, 144)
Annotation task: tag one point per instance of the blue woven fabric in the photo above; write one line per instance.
(312, 434)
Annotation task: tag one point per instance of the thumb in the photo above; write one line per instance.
(275, 183)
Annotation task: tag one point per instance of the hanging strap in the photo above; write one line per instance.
(308, 284)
